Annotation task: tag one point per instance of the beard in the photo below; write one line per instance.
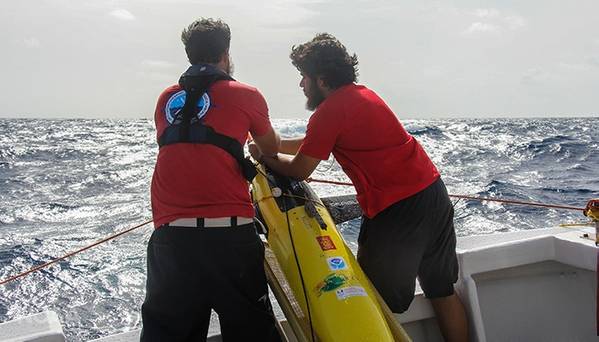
(314, 95)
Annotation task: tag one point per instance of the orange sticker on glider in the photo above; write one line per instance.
(325, 243)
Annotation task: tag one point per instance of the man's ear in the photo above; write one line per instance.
(324, 88)
(321, 83)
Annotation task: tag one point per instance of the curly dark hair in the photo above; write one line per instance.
(206, 40)
(324, 56)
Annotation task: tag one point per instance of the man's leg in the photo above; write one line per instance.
(242, 301)
(439, 267)
(173, 310)
(451, 317)
(389, 252)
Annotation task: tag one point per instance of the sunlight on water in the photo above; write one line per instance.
(67, 183)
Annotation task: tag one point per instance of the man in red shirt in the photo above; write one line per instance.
(407, 228)
(205, 253)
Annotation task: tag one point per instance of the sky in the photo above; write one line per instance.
(426, 59)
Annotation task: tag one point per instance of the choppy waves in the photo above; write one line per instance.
(67, 183)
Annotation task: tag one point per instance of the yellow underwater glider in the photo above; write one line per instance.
(336, 298)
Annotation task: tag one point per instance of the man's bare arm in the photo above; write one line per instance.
(268, 143)
(291, 145)
(299, 167)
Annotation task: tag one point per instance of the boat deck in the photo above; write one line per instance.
(535, 285)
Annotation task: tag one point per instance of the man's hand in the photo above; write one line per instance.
(255, 151)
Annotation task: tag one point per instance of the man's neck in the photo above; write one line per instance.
(326, 91)
(222, 66)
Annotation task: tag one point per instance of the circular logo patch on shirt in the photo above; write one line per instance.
(177, 101)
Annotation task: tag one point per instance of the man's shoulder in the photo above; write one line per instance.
(238, 87)
(345, 101)
(244, 86)
(169, 91)
(239, 92)
(355, 96)
(355, 91)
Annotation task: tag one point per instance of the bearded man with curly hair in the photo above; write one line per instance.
(407, 228)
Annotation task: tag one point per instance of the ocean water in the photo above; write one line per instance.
(67, 183)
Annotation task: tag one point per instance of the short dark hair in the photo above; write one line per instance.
(324, 56)
(206, 40)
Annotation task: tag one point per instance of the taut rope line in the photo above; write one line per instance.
(535, 204)
(37, 268)
(20, 275)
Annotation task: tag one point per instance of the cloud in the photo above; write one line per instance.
(482, 27)
(486, 12)
(491, 20)
(122, 14)
(514, 22)
(32, 43)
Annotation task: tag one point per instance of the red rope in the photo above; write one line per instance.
(534, 204)
(471, 197)
(20, 275)
(310, 179)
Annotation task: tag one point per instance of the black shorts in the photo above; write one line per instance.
(192, 271)
(412, 238)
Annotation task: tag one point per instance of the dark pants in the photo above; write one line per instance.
(194, 270)
(413, 237)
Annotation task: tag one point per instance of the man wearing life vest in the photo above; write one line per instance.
(407, 229)
(205, 253)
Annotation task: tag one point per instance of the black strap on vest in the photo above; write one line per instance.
(186, 128)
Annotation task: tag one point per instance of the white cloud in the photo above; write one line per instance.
(32, 43)
(482, 27)
(122, 14)
(486, 12)
(514, 22)
(491, 20)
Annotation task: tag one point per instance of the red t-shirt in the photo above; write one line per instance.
(384, 162)
(201, 180)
